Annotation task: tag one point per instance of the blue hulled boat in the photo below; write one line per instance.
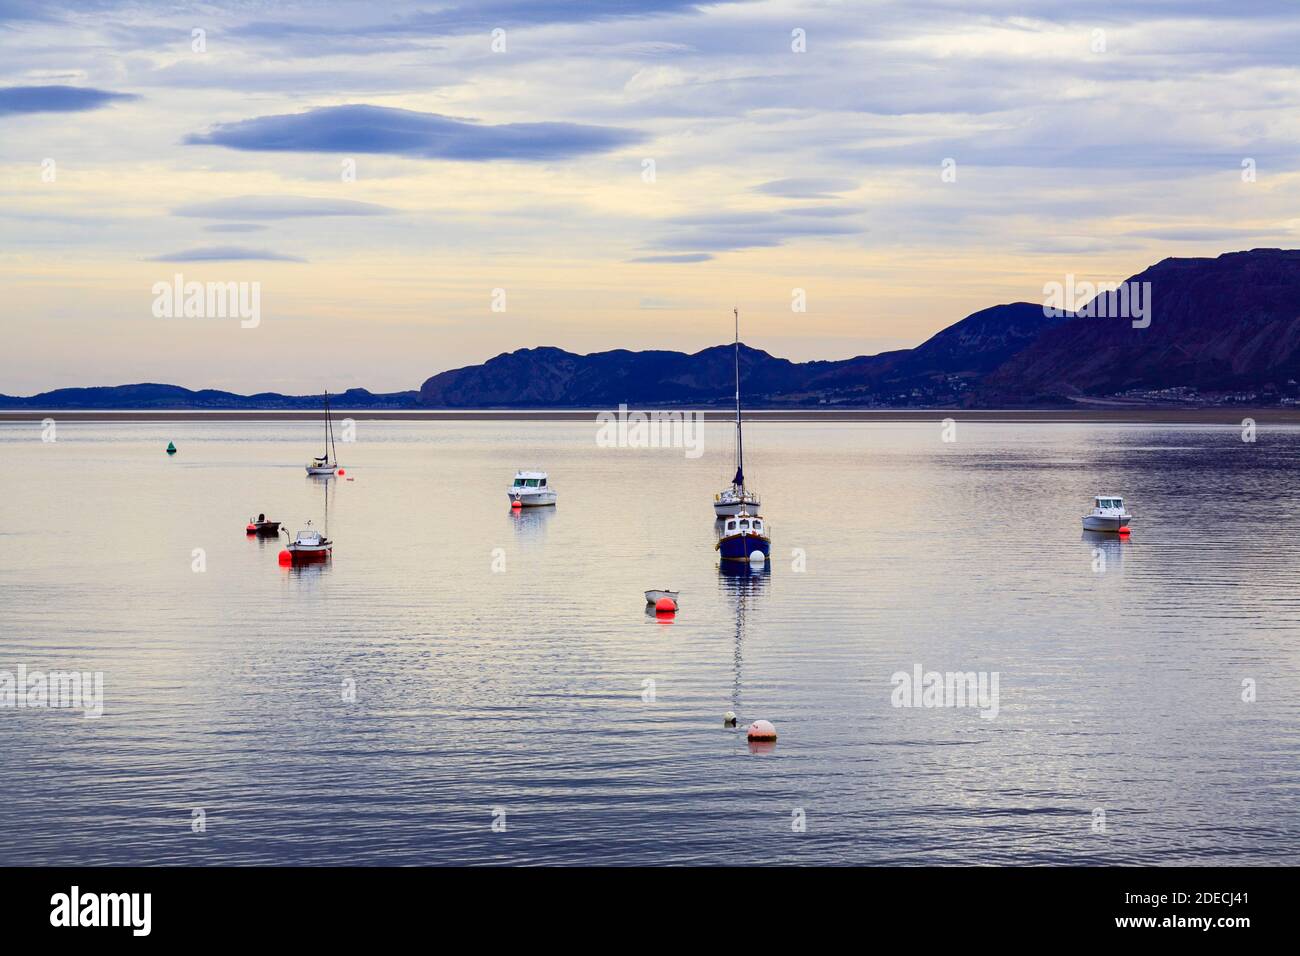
(742, 535)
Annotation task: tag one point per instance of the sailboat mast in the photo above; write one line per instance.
(334, 451)
(330, 454)
(740, 443)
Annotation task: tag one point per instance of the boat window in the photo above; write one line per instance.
(531, 482)
(731, 526)
(519, 482)
(744, 524)
(758, 526)
(543, 484)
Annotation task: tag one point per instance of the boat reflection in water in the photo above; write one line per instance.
(1107, 549)
(530, 523)
(742, 584)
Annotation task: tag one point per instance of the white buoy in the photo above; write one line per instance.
(729, 719)
(761, 730)
(757, 557)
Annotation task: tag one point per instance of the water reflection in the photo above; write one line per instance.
(530, 524)
(1107, 549)
(742, 584)
(1119, 689)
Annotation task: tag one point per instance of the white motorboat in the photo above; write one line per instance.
(1108, 514)
(328, 463)
(309, 545)
(654, 597)
(531, 489)
(737, 498)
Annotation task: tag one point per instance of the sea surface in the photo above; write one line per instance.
(464, 685)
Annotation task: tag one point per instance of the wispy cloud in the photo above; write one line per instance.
(745, 230)
(680, 257)
(1209, 233)
(825, 188)
(458, 19)
(56, 99)
(379, 129)
(234, 227)
(225, 254)
(279, 207)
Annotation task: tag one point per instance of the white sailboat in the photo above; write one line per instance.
(328, 463)
(737, 498)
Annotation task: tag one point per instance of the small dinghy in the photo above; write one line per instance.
(1108, 514)
(744, 538)
(309, 546)
(654, 597)
(261, 527)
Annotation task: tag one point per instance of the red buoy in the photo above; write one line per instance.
(665, 604)
(516, 504)
(1125, 530)
(761, 730)
(286, 557)
(342, 472)
(251, 529)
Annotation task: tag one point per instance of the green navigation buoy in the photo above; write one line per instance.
(171, 449)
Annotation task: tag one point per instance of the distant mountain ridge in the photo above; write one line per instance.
(554, 378)
(1228, 324)
(153, 396)
(1223, 330)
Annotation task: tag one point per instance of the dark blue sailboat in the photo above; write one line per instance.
(743, 531)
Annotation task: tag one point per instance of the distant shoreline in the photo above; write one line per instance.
(1130, 415)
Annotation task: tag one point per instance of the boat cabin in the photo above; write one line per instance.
(743, 524)
(1108, 503)
(530, 479)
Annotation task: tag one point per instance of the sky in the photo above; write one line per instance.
(418, 187)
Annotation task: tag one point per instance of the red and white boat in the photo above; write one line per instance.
(309, 545)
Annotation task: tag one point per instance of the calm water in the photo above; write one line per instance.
(523, 689)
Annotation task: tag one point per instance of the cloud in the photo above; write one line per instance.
(477, 17)
(379, 129)
(225, 254)
(234, 227)
(279, 207)
(1208, 233)
(822, 212)
(684, 257)
(56, 99)
(746, 230)
(807, 188)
